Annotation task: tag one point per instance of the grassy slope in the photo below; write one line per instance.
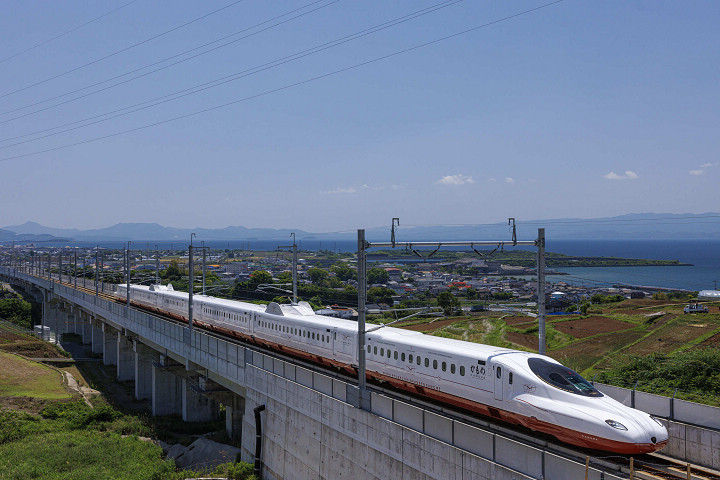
(23, 378)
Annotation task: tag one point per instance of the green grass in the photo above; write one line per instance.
(23, 378)
(70, 440)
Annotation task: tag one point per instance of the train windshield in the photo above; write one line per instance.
(562, 377)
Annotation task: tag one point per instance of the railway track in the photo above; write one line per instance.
(649, 467)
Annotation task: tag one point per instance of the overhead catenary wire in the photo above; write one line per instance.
(219, 81)
(288, 86)
(67, 32)
(122, 50)
(162, 61)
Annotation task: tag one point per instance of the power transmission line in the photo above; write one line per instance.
(155, 37)
(67, 32)
(289, 86)
(161, 61)
(222, 80)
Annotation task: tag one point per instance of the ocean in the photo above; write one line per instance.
(702, 275)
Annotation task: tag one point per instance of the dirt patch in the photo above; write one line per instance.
(527, 340)
(587, 327)
(713, 341)
(584, 353)
(671, 337)
(32, 348)
(514, 321)
(25, 404)
(431, 326)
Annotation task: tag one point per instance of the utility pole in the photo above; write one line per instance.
(203, 268)
(541, 289)
(191, 274)
(76, 272)
(157, 265)
(127, 277)
(362, 300)
(97, 270)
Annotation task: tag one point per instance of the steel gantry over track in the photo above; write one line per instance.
(364, 245)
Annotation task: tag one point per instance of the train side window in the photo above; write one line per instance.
(374, 350)
(411, 358)
(323, 338)
(435, 364)
(427, 362)
(452, 368)
(462, 371)
(418, 359)
(388, 353)
(369, 348)
(382, 352)
(510, 378)
(402, 357)
(395, 355)
(498, 372)
(444, 366)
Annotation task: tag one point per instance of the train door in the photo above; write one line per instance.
(344, 343)
(499, 374)
(509, 384)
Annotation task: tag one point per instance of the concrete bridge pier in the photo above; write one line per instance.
(61, 320)
(110, 344)
(125, 358)
(234, 410)
(96, 335)
(144, 358)
(86, 321)
(166, 387)
(195, 406)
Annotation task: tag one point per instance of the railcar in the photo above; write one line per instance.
(518, 387)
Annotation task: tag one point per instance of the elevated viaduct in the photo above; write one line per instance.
(311, 425)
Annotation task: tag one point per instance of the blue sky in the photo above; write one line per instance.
(579, 109)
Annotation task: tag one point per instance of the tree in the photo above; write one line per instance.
(172, 273)
(260, 276)
(285, 277)
(16, 310)
(318, 276)
(448, 302)
(343, 271)
(380, 295)
(377, 275)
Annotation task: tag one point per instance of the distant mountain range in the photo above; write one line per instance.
(625, 227)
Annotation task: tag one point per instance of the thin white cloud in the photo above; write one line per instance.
(509, 180)
(340, 190)
(696, 172)
(455, 180)
(629, 175)
(491, 179)
(708, 165)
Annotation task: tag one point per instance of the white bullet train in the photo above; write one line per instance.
(509, 385)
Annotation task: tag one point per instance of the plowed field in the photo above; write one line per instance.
(587, 327)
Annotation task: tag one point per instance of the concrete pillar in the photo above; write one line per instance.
(234, 417)
(60, 322)
(144, 357)
(72, 320)
(196, 407)
(166, 392)
(86, 328)
(97, 335)
(110, 344)
(125, 359)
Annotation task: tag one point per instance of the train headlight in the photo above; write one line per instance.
(657, 421)
(615, 424)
